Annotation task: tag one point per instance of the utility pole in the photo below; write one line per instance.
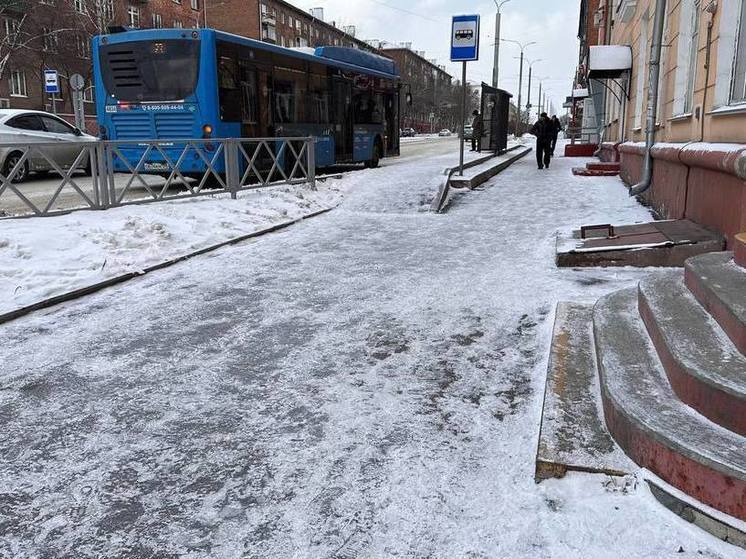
(520, 83)
(496, 65)
(539, 103)
(528, 101)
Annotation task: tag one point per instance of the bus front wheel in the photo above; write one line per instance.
(373, 162)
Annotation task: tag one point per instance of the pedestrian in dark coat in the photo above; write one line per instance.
(557, 129)
(544, 132)
(477, 131)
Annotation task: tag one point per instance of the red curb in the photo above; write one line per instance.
(740, 249)
(705, 484)
(733, 327)
(727, 410)
(604, 166)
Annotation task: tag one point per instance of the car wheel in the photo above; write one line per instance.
(12, 160)
(373, 162)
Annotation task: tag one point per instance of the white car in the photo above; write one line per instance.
(444, 133)
(19, 127)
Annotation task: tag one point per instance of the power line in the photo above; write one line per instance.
(405, 11)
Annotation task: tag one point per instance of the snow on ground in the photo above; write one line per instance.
(45, 257)
(367, 384)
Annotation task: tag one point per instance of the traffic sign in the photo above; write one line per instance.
(51, 81)
(77, 82)
(465, 38)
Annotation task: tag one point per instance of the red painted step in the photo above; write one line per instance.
(585, 172)
(580, 150)
(703, 367)
(604, 166)
(720, 287)
(656, 429)
(740, 249)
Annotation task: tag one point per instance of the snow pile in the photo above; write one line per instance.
(44, 257)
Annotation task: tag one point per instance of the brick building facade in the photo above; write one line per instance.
(280, 23)
(432, 90)
(56, 34)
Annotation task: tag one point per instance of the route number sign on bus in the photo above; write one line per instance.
(465, 38)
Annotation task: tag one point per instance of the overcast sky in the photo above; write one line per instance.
(427, 23)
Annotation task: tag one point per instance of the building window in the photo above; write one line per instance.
(133, 16)
(177, 1)
(263, 9)
(269, 33)
(738, 93)
(692, 63)
(79, 6)
(642, 64)
(195, 4)
(50, 40)
(107, 10)
(178, 24)
(11, 26)
(84, 46)
(18, 84)
(157, 21)
(89, 94)
(297, 25)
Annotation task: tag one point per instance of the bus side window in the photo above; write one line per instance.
(289, 92)
(228, 92)
(318, 99)
(249, 94)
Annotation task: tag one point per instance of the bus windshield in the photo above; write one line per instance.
(148, 71)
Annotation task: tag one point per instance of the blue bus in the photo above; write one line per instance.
(176, 84)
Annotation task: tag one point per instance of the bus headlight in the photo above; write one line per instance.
(207, 130)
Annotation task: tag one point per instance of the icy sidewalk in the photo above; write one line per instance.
(366, 385)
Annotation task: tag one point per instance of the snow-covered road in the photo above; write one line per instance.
(367, 384)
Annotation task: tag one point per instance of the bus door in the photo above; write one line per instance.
(392, 123)
(343, 119)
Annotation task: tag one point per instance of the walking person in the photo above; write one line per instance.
(477, 131)
(557, 129)
(543, 129)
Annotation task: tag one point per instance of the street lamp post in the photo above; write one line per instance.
(496, 65)
(528, 101)
(520, 80)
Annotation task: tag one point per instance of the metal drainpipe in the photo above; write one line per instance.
(652, 112)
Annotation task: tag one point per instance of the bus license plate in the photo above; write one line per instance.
(156, 167)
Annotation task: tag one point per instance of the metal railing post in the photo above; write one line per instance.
(311, 143)
(101, 174)
(231, 167)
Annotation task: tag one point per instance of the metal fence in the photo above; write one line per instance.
(106, 174)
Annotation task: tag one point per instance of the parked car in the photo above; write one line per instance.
(468, 131)
(444, 133)
(21, 127)
(409, 133)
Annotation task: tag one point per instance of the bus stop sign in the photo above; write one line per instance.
(51, 81)
(465, 38)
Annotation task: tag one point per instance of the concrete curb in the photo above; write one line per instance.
(487, 174)
(90, 289)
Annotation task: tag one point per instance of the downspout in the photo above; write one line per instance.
(653, 83)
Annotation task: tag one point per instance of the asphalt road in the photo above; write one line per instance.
(41, 191)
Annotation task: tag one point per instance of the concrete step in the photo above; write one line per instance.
(580, 150)
(656, 429)
(585, 172)
(705, 369)
(604, 166)
(720, 287)
(740, 249)
(573, 436)
(660, 243)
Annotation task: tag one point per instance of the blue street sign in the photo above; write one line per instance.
(465, 38)
(51, 81)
